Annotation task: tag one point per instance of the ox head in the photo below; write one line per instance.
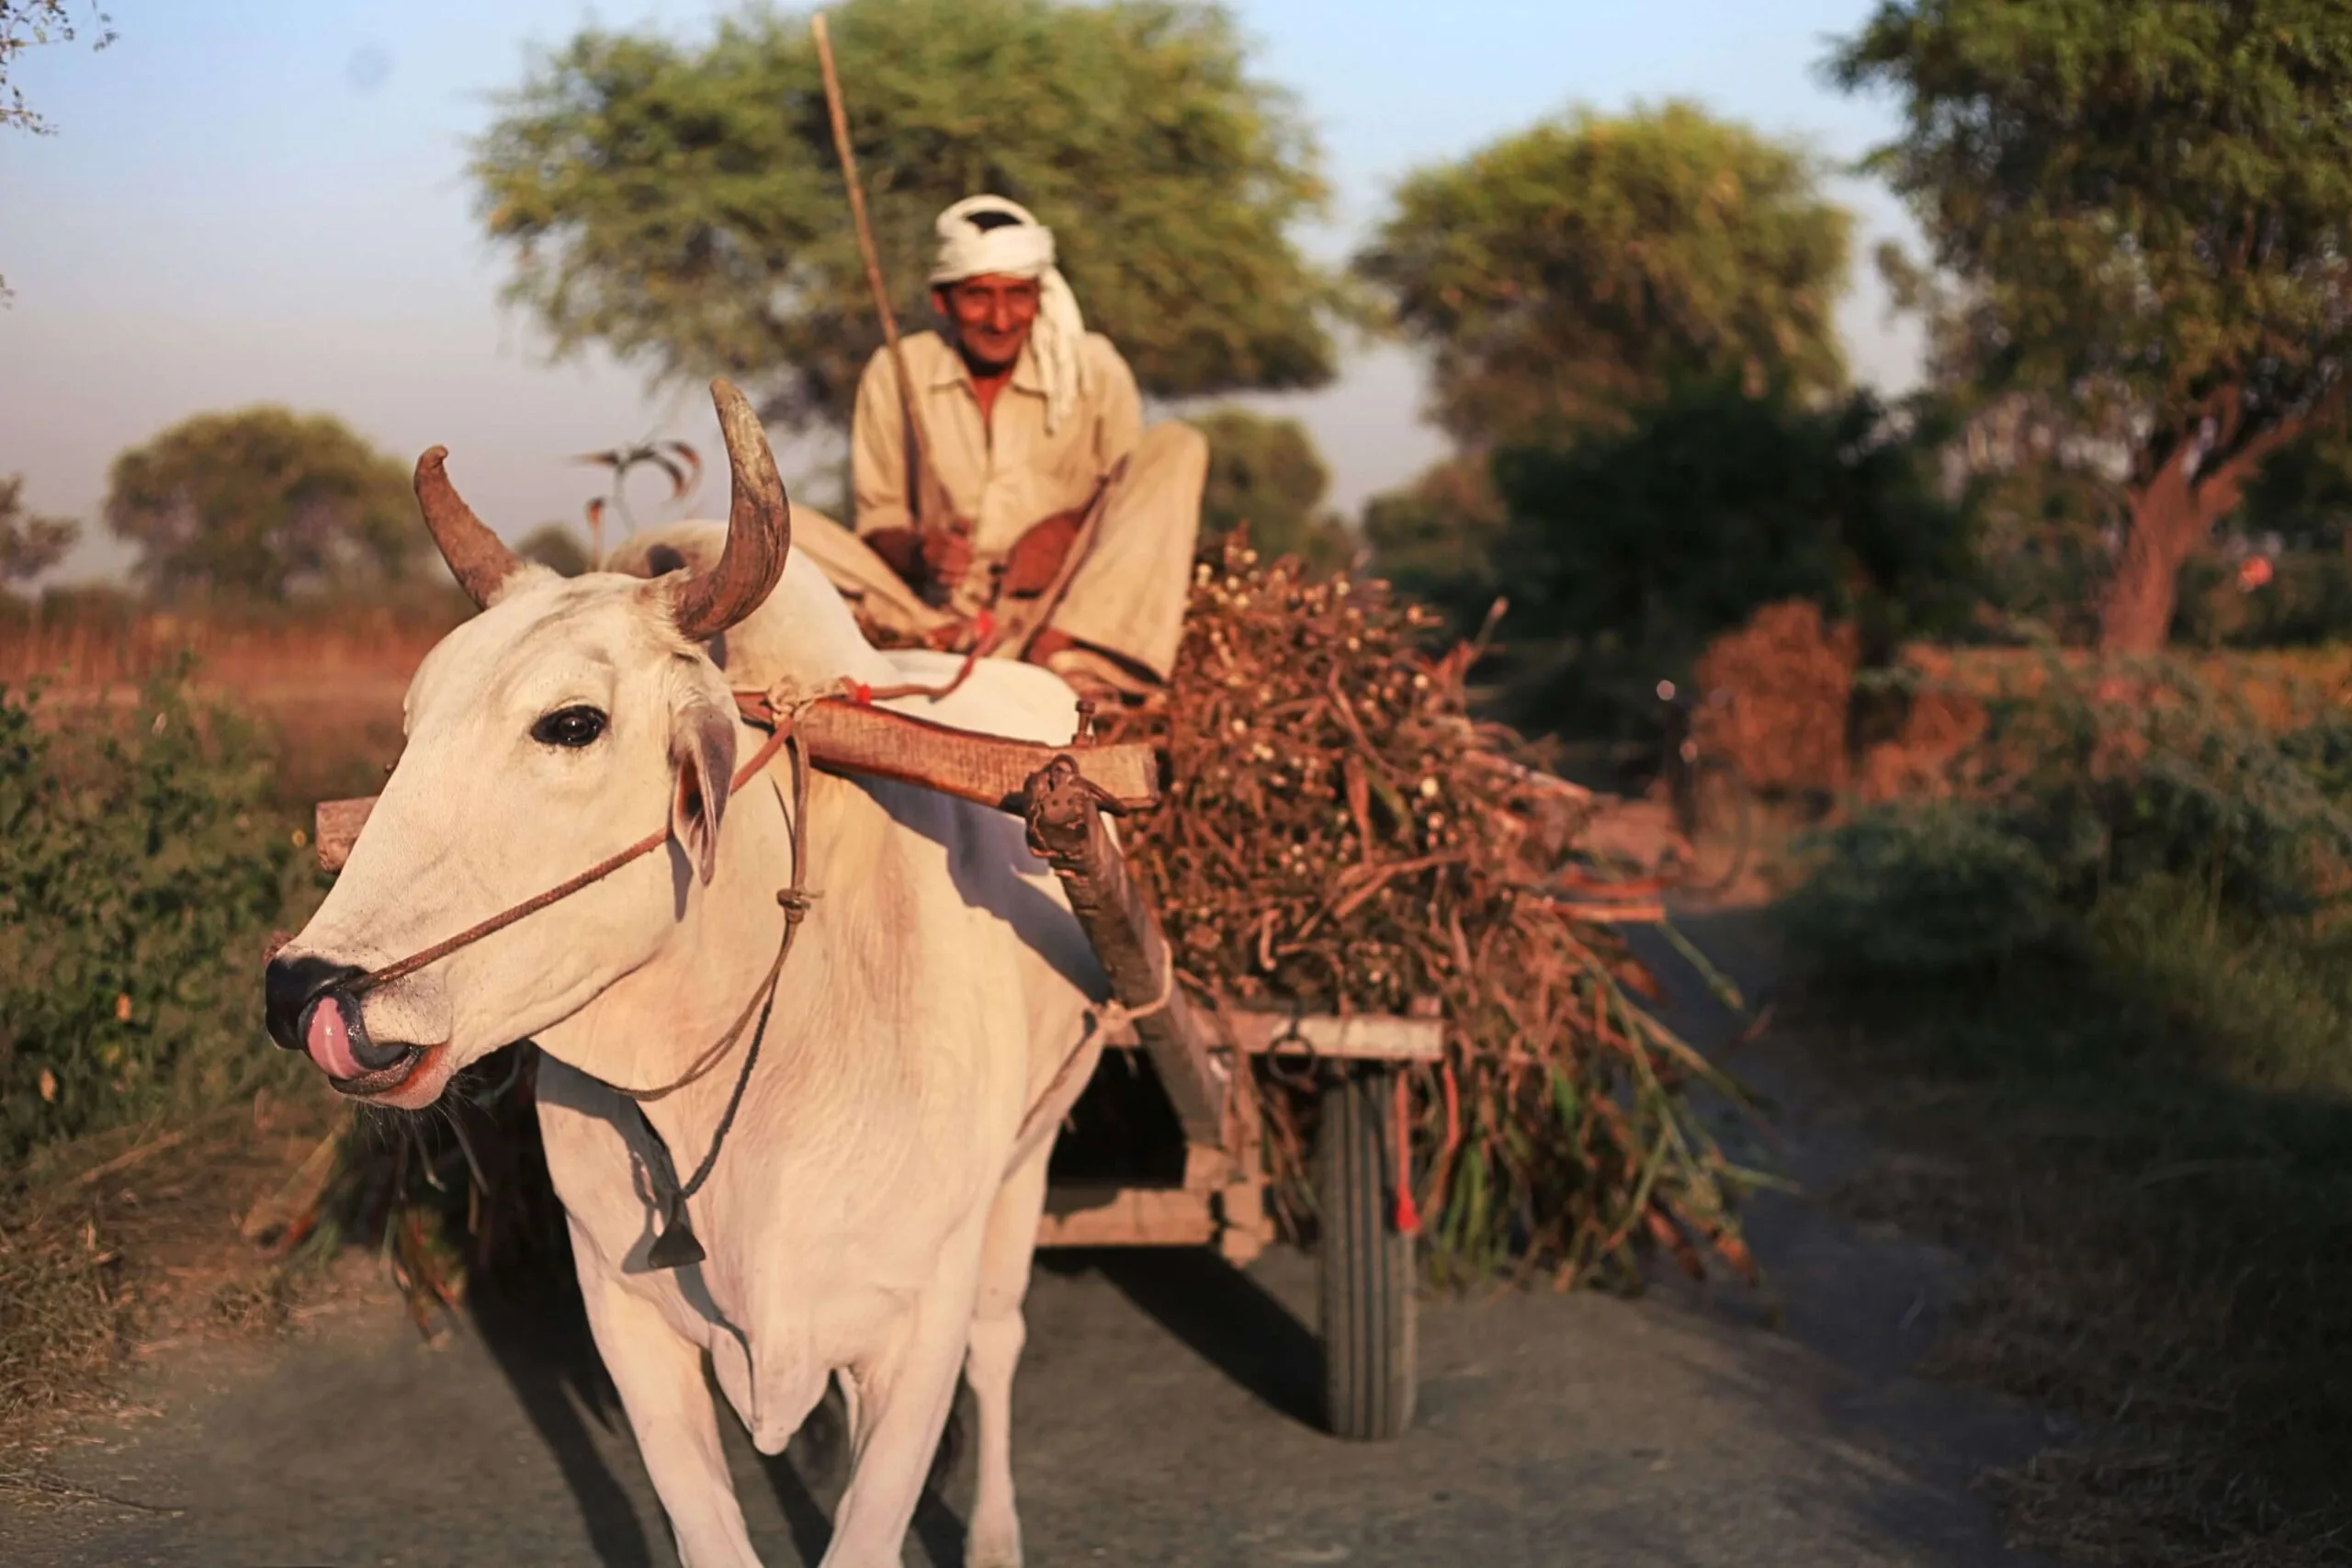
(543, 735)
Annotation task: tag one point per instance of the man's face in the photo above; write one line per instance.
(993, 315)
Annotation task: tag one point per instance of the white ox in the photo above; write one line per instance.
(873, 1210)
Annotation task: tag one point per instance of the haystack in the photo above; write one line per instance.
(1342, 833)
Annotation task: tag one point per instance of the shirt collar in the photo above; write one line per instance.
(1026, 378)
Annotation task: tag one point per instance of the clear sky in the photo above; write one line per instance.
(263, 201)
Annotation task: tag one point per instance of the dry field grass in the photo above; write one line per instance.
(328, 686)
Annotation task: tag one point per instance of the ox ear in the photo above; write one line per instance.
(702, 767)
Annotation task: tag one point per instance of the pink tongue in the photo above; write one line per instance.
(330, 1041)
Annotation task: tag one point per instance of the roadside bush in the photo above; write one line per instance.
(140, 876)
(2174, 780)
(1629, 551)
(1913, 892)
(2307, 601)
(2067, 800)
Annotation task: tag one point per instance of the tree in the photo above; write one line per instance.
(1630, 551)
(1568, 271)
(1435, 540)
(1265, 473)
(29, 543)
(555, 547)
(2049, 497)
(682, 207)
(2304, 493)
(2145, 203)
(263, 503)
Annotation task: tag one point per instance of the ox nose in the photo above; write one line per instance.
(309, 1009)
(289, 985)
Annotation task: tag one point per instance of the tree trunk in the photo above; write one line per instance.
(2169, 519)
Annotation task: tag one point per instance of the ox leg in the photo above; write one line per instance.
(999, 1331)
(660, 1376)
(904, 1401)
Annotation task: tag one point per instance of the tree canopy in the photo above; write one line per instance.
(263, 503)
(2305, 495)
(681, 206)
(1629, 551)
(1265, 472)
(1568, 271)
(2146, 205)
(1435, 538)
(29, 543)
(557, 546)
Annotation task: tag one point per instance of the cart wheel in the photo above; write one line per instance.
(1366, 1263)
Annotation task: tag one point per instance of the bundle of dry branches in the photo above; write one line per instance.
(1341, 833)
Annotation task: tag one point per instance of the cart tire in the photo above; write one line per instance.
(1367, 1269)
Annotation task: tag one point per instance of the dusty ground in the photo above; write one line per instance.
(1165, 1418)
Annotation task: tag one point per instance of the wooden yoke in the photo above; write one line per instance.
(849, 738)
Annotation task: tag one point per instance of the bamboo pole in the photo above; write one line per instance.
(917, 432)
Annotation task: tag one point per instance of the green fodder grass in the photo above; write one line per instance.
(143, 869)
(141, 872)
(2116, 981)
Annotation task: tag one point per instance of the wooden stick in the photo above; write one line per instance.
(847, 738)
(1066, 824)
(1020, 623)
(917, 431)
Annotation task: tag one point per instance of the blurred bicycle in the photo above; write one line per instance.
(1709, 803)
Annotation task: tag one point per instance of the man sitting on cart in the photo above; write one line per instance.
(1033, 493)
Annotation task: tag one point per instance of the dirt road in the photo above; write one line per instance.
(1165, 1418)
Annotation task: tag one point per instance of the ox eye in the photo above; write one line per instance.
(574, 727)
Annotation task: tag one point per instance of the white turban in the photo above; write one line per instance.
(1021, 248)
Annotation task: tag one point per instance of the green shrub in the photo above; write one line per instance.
(2178, 781)
(140, 877)
(2069, 803)
(1626, 553)
(1913, 892)
(2308, 601)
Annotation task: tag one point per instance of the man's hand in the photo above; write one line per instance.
(926, 558)
(946, 555)
(1038, 554)
(900, 551)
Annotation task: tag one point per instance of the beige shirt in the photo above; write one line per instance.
(1006, 474)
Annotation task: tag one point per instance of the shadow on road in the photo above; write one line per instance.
(1220, 1314)
(537, 1330)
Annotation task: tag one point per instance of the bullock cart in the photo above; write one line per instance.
(1201, 1052)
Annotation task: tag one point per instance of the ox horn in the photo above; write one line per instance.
(478, 557)
(759, 527)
